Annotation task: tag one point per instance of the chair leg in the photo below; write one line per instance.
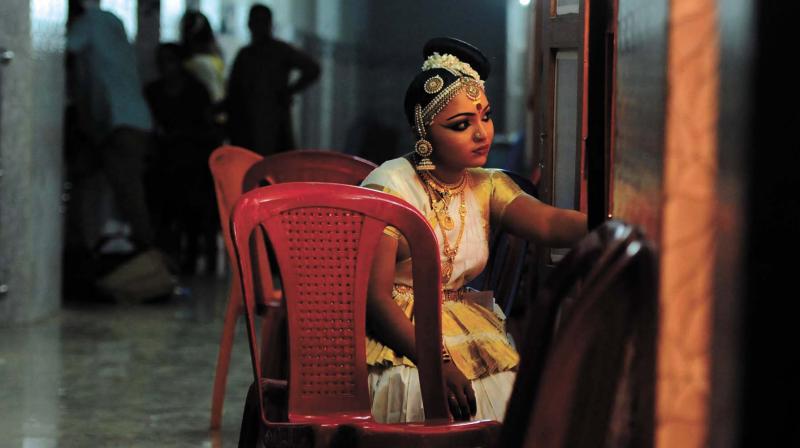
(224, 358)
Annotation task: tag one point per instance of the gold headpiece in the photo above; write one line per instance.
(468, 79)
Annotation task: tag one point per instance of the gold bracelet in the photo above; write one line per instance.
(445, 354)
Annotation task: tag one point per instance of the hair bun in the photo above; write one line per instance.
(460, 49)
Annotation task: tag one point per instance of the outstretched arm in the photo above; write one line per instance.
(530, 218)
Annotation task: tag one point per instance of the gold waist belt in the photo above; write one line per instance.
(447, 294)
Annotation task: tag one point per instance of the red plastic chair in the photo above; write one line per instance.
(307, 165)
(597, 304)
(228, 165)
(235, 171)
(324, 237)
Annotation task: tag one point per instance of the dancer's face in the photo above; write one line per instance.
(462, 132)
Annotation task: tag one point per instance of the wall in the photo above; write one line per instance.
(689, 223)
(664, 179)
(640, 100)
(31, 157)
(330, 106)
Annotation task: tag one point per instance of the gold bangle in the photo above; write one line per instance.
(445, 354)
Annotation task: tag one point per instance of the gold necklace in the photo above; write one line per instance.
(440, 208)
(441, 186)
(446, 193)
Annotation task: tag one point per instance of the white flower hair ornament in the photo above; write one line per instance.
(452, 64)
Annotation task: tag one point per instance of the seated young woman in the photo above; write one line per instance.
(448, 110)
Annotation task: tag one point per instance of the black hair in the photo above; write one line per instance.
(196, 33)
(465, 52)
(260, 9)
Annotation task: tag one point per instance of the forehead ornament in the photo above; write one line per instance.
(472, 91)
(467, 80)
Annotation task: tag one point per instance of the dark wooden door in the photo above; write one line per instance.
(573, 104)
(558, 102)
(600, 52)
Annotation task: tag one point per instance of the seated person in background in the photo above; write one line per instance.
(181, 188)
(448, 110)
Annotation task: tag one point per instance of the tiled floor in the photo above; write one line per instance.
(121, 376)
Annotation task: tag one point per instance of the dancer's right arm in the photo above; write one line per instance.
(385, 319)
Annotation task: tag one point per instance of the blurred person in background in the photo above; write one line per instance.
(203, 59)
(109, 112)
(110, 109)
(259, 89)
(181, 192)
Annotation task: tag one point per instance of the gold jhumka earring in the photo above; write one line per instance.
(423, 147)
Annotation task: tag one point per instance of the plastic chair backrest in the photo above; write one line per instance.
(229, 165)
(302, 166)
(325, 236)
(308, 166)
(609, 278)
(507, 256)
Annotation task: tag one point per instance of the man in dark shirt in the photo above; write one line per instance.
(259, 90)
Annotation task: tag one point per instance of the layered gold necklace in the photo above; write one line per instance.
(441, 195)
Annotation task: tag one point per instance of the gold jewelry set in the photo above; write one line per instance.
(468, 80)
(440, 195)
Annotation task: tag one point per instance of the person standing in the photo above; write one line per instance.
(181, 190)
(111, 110)
(203, 60)
(259, 90)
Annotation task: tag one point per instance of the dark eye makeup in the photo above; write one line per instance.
(462, 125)
(458, 125)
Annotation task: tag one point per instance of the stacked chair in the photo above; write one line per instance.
(235, 171)
(587, 366)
